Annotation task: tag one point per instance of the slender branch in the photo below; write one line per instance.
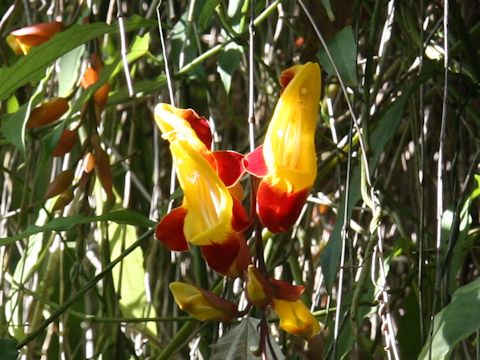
(123, 49)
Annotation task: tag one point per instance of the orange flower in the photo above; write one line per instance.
(21, 40)
(287, 161)
(209, 217)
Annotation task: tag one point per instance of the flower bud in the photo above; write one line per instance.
(201, 304)
(259, 291)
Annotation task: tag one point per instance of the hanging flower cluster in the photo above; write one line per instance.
(211, 215)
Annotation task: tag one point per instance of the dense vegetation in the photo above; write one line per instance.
(386, 247)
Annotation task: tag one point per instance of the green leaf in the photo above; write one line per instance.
(344, 53)
(133, 301)
(66, 223)
(69, 71)
(32, 66)
(455, 322)
(228, 62)
(389, 122)
(142, 89)
(13, 126)
(9, 349)
(463, 243)
(207, 12)
(328, 8)
(237, 13)
(409, 336)
(237, 344)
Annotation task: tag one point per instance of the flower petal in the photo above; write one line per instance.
(209, 204)
(221, 256)
(296, 319)
(286, 291)
(240, 219)
(242, 261)
(169, 230)
(289, 146)
(254, 163)
(287, 75)
(169, 118)
(229, 166)
(278, 210)
(198, 123)
(259, 292)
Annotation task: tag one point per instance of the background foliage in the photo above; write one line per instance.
(88, 279)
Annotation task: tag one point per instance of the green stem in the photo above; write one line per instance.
(217, 48)
(179, 340)
(360, 286)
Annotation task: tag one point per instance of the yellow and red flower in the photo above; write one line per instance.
(209, 216)
(286, 162)
(21, 40)
(295, 318)
(284, 298)
(203, 305)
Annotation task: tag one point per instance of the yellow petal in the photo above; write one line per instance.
(259, 291)
(295, 318)
(209, 203)
(15, 45)
(192, 300)
(289, 148)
